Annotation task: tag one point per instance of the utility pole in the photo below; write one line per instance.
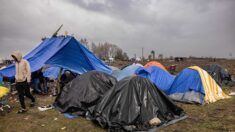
(231, 55)
(142, 53)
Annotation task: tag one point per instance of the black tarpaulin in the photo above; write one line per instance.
(82, 94)
(132, 103)
(219, 74)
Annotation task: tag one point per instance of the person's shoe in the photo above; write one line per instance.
(44, 93)
(32, 104)
(22, 111)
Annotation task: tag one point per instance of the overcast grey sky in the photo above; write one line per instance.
(171, 27)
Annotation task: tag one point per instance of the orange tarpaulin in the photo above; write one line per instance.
(155, 63)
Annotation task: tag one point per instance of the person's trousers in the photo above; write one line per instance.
(44, 86)
(36, 85)
(24, 90)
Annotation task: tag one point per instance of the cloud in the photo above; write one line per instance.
(177, 28)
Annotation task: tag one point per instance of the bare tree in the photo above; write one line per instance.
(106, 50)
(85, 42)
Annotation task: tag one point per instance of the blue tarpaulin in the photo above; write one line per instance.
(158, 76)
(187, 80)
(127, 71)
(65, 52)
(186, 86)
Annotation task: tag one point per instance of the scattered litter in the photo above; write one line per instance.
(63, 128)
(45, 108)
(26, 118)
(69, 115)
(155, 121)
(43, 125)
(232, 94)
(55, 119)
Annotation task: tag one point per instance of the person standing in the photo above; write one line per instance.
(22, 78)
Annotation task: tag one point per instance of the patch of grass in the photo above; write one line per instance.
(219, 116)
(49, 121)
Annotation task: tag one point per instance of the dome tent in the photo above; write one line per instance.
(158, 76)
(155, 63)
(187, 87)
(219, 74)
(195, 85)
(132, 103)
(191, 85)
(82, 94)
(127, 71)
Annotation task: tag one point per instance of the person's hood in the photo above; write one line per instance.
(18, 55)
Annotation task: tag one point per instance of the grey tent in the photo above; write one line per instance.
(219, 74)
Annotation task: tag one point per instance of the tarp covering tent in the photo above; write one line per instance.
(195, 85)
(115, 70)
(192, 85)
(65, 52)
(132, 103)
(155, 63)
(82, 94)
(187, 87)
(213, 91)
(127, 71)
(158, 76)
(219, 74)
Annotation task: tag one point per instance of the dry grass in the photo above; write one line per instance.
(218, 116)
(48, 121)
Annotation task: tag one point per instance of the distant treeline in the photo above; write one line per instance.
(105, 51)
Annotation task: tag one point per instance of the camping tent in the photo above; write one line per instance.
(220, 74)
(133, 103)
(155, 63)
(127, 71)
(187, 87)
(158, 76)
(83, 93)
(115, 70)
(194, 85)
(62, 51)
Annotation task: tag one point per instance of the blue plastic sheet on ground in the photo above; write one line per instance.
(70, 116)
